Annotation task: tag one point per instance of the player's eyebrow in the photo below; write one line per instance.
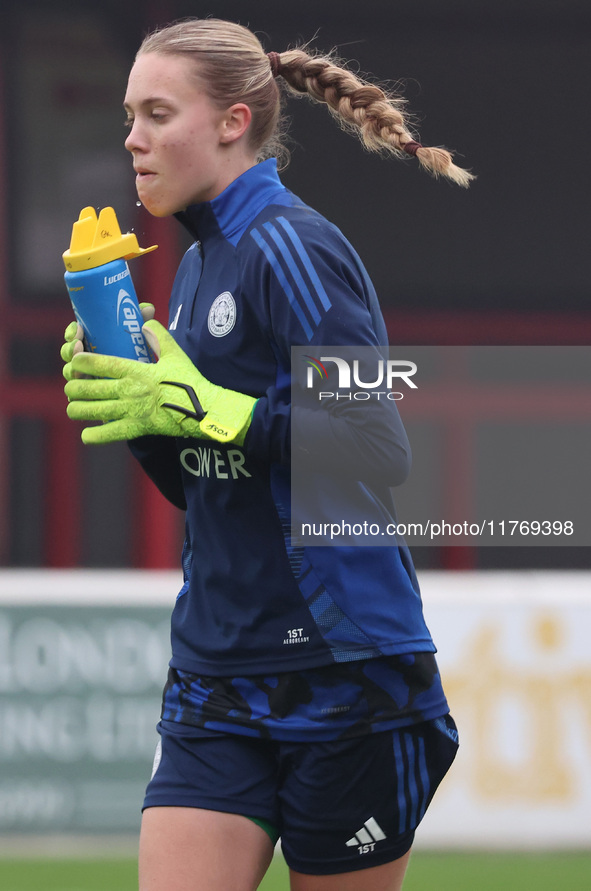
(152, 100)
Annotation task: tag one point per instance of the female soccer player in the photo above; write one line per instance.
(303, 699)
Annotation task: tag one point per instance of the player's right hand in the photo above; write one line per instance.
(74, 341)
(169, 397)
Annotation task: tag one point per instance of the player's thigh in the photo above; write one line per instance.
(353, 805)
(196, 835)
(388, 877)
(193, 849)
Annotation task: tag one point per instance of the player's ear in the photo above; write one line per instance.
(235, 123)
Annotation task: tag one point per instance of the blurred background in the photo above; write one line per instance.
(505, 84)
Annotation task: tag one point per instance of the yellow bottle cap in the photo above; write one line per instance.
(96, 241)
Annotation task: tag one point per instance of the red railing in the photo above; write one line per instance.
(156, 523)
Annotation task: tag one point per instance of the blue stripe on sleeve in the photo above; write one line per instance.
(292, 266)
(303, 255)
(276, 267)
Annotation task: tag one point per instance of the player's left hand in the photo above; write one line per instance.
(169, 397)
(74, 344)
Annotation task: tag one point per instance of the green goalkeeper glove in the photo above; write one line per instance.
(169, 397)
(74, 339)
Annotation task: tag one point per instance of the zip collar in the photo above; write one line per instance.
(234, 209)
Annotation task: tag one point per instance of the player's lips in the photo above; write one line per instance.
(143, 173)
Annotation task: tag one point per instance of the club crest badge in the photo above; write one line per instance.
(222, 315)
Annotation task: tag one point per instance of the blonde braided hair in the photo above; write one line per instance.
(231, 66)
(363, 108)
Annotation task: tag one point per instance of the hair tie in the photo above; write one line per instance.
(275, 62)
(411, 147)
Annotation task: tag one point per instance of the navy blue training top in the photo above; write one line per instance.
(267, 272)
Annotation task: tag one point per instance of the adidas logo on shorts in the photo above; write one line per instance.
(366, 837)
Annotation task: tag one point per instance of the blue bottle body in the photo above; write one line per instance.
(105, 304)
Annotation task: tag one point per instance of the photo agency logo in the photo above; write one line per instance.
(360, 378)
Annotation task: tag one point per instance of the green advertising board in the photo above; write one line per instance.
(80, 692)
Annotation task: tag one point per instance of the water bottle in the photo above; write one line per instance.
(100, 287)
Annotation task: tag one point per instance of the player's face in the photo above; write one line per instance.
(176, 136)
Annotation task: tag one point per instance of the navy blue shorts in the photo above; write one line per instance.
(338, 806)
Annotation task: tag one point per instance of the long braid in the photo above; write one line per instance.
(365, 109)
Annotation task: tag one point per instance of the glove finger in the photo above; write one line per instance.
(116, 431)
(70, 349)
(152, 341)
(148, 311)
(105, 410)
(69, 372)
(88, 389)
(74, 332)
(161, 341)
(98, 365)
